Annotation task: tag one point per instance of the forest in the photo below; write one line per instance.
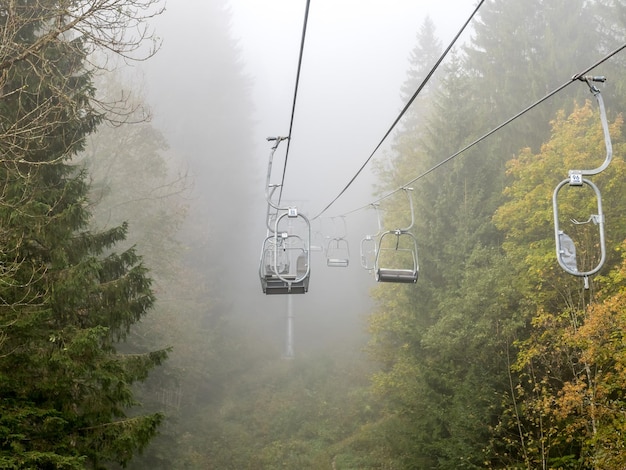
(129, 337)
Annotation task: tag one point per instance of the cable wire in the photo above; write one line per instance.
(295, 96)
(578, 76)
(404, 110)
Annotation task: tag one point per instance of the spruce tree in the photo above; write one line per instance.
(67, 298)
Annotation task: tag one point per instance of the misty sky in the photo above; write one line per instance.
(355, 60)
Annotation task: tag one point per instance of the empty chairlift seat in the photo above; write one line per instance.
(408, 276)
(338, 253)
(396, 258)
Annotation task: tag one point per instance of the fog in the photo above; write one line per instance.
(136, 330)
(354, 61)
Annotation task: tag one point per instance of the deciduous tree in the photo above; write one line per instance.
(560, 374)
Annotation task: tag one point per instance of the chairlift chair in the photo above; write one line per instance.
(337, 248)
(285, 262)
(368, 250)
(396, 257)
(318, 242)
(284, 267)
(369, 244)
(565, 246)
(404, 246)
(338, 253)
(285, 258)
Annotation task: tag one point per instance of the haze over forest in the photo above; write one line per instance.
(134, 327)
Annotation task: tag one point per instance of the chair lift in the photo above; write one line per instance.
(285, 254)
(285, 260)
(338, 250)
(398, 247)
(565, 246)
(338, 253)
(369, 245)
(317, 238)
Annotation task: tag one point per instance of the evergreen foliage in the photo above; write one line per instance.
(187, 226)
(67, 298)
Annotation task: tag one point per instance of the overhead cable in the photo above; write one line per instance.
(295, 96)
(578, 76)
(404, 110)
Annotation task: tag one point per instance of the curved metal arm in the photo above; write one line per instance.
(270, 188)
(574, 178)
(378, 221)
(408, 192)
(344, 226)
(369, 243)
(333, 230)
(270, 217)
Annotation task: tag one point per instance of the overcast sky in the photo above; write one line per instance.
(355, 60)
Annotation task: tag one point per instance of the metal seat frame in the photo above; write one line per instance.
(338, 248)
(395, 274)
(402, 275)
(369, 245)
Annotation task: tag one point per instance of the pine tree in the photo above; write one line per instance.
(523, 50)
(67, 297)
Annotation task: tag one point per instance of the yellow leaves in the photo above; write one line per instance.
(573, 357)
(574, 364)
(577, 142)
(570, 399)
